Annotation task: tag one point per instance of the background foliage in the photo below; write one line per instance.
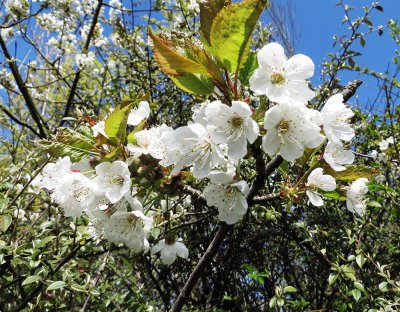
(278, 258)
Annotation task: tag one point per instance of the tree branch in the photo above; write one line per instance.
(215, 244)
(350, 89)
(24, 90)
(16, 120)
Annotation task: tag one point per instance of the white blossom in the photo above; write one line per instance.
(129, 227)
(319, 181)
(114, 179)
(170, 250)
(281, 79)
(152, 141)
(99, 128)
(194, 146)
(290, 127)
(232, 125)
(74, 194)
(355, 196)
(337, 156)
(335, 120)
(384, 144)
(227, 195)
(374, 154)
(142, 112)
(53, 174)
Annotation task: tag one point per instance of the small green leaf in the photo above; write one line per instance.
(231, 32)
(374, 203)
(248, 68)
(115, 124)
(383, 286)
(3, 202)
(56, 285)
(31, 279)
(5, 222)
(280, 302)
(362, 41)
(289, 289)
(272, 302)
(332, 278)
(333, 195)
(359, 286)
(78, 287)
(356, 294)
(45, 240)
(360, 259)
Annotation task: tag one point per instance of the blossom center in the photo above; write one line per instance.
(277, 79)
(116, 180)
(236, 121)
(283, 126)
(79, 191)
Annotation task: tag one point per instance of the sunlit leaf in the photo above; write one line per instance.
(352, 172)
(116, 122)
(208, 11)
(5, 222)
(171, 62)
(56, 285)
(31, 279)
(231, 32)
(194, 84)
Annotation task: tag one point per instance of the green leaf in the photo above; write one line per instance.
(3, 202)
(332, 278)
(383, 286)
(359, 286)
(248, 68)
(349, 272)
(45, 240)
(360, 259)
(74, 138)
(57, 149)
(195, 84)
(115, 124)
(280, 302)
(78, 287)
(356, 294)
(352, 172)
(272, 302)
(231, 32)
(374, 203)
(131, 136)
(56, 285)
(289, 289)
(333, 195)
(68, 142)
(5, 222)
(31, 279)
(171, 62)
(362, 41)
(208, 11)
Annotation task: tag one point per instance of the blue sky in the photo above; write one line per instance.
(319, 20)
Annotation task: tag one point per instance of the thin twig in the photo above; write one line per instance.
(74, 86)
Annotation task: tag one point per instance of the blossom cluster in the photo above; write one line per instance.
(212, 146)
